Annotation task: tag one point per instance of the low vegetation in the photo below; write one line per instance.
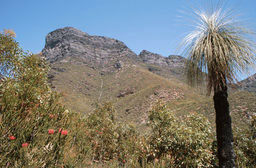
(38, 131)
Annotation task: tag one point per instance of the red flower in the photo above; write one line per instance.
(100, 132)
(50, 131)
(123, 161)
(51, 115)
(12, 137)
(64, 132)
(24, 145)
(60, 130)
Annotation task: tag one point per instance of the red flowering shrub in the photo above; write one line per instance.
(99, 138)
(25, 103)
(31, 115)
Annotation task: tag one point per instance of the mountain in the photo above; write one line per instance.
(248, 84)
(106, 54)
(93, 69)
(90, 69)
(72, 45)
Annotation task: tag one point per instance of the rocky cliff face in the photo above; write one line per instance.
(248, 84)
(71, 45)
(171, 66)
(152, 58)
(157, 59)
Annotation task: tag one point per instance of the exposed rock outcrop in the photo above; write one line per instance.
(71, 45)
(171, 66)
(157, 59)
(248, 84)
(152, 58)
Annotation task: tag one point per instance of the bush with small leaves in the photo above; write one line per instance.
(37, 131)
(99, 138)
(245, 145)
(184, 142)
(30, 112)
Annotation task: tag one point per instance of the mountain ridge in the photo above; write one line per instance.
(89, 70)
(60, 41)
(248, 84)
(94, 69)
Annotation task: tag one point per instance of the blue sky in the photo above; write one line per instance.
(154, 25)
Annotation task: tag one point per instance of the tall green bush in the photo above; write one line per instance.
(183, 142)
(245, 145)
(33, 123)
(100, 139)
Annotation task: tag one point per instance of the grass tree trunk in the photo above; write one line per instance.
(225, 139)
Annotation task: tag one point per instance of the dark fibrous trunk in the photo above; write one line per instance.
(225, 139)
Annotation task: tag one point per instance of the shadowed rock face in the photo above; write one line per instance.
(69, 44)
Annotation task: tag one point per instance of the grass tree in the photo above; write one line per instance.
(221, 48)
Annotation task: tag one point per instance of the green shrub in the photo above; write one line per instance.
(10, 53)
(245, 145)
(100, 139)
(28, 109)
(37, 131)
(183, 142)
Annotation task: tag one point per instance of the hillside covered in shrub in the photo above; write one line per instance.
(37, 130)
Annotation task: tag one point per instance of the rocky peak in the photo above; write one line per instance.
(157, 59)
(248, 84)
(70, 44)
(147, 55)
(106, 54)
(152, 58)
(63, 34)
(176, 57)
(175, 61)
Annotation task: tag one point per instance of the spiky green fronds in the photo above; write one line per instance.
(219, 47)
